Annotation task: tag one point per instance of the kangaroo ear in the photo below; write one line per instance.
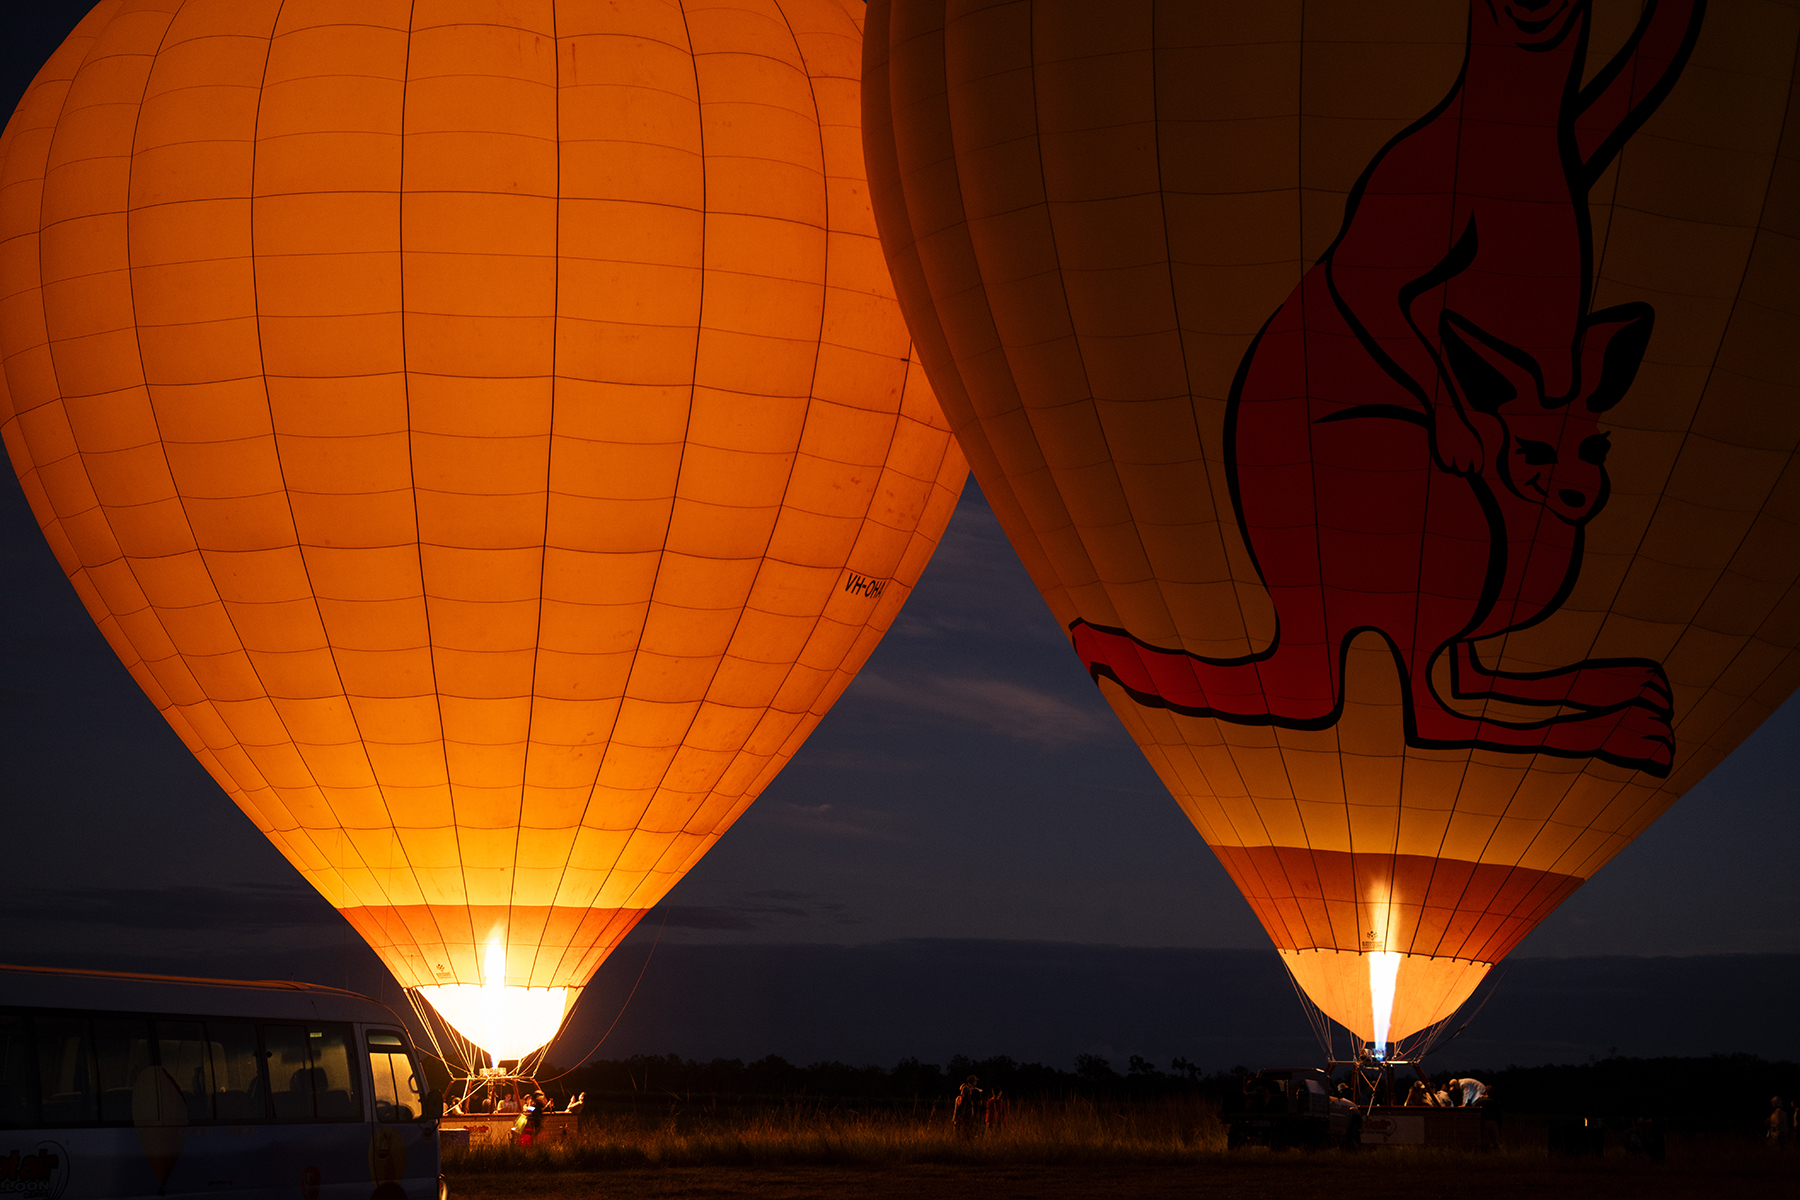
(1612, 348)
(1489, 371)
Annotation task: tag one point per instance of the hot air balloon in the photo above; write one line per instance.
(1395, 405)
(485, 430)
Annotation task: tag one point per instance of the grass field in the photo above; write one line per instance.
(1065, 1150)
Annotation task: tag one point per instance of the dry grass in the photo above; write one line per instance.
(1065, 1150)
(803, 1134)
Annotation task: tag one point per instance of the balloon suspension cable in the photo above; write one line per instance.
(615, 1022)
(1315, 1016)
(1419, 1044)
(1436, 1040)
(436, 1053)
(468, 1055)
(528, 1066)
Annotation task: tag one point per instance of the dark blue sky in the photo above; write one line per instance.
(971, 784)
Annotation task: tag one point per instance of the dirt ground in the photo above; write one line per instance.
(1248, 1178)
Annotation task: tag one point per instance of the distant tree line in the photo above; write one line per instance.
(1728, 1089)
(909, 1080)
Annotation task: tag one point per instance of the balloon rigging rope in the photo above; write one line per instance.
(464, 1048)
(1437, 1031)
(1315, 1016)
(621, 1013)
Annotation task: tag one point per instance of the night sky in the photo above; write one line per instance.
(971, 784)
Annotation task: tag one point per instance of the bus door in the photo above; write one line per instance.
(232, 1149)
(404, 1147)
(316, 1097)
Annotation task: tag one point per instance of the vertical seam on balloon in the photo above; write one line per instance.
(1330, 936)
(1541, 519)
(544, 549)
(793, 467)
(281, 470)
(954, 346)
(1273, 893)
(143, 375)
(50, 342)
(1093, 400)
(173, 712)
(1410, 686)
(681, 461)
(1180, 330)
(55, 127)
(572, 951)
(305, 567)
(1005, 487)
(1174, 721)
(1199, 441)
(412, 492)
(8, 141)
(1588, 288)
(1762, 211)
(900, 402)
(1087, 382)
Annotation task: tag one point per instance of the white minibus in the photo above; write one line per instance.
(116, 1086)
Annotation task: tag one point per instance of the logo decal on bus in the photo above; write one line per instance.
(40, 1174)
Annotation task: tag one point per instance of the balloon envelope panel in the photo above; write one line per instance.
(1392, 405)
(486, 432)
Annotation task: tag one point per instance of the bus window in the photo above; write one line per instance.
(291, 1081)
(239, 1093)
(334, 1081)
(396, 1081)
(123, 1048)
(15, 1072)
(181, 1049)
(65, 1055)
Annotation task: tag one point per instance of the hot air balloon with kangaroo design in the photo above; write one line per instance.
(1392, 405)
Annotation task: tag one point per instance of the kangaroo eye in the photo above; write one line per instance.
(1593, 449)
(1537, 454)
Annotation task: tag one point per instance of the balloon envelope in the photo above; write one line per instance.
(486, 432)
(1394, 403)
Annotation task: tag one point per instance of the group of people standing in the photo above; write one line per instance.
(976, 1110)
(1456, 1093)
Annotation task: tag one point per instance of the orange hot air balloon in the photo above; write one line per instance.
(485, 430)
(1394, 402)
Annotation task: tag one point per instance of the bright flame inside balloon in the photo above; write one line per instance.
(1384, 969)
(507, 1022)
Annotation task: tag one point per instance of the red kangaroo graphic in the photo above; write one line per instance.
(1413, 437)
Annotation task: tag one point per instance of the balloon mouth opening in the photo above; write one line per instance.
(1384, 971)
(507, 1021)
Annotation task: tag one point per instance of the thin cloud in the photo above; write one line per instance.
(699, 916)
(976, 585)
(1011, 710)
(833, 820)
(756, 913)
(239, 908)
(811, 759)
